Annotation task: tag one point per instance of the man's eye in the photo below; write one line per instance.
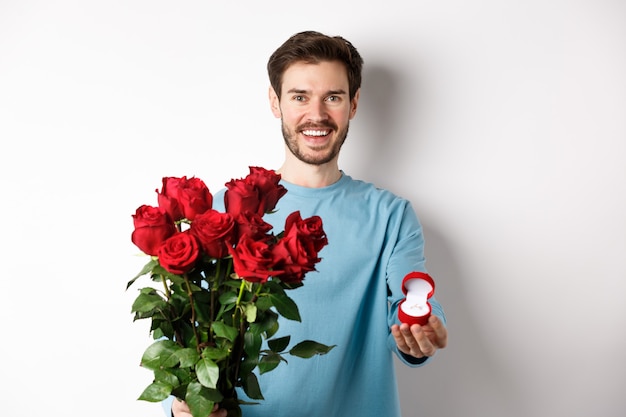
(332, 98)
(299, 98)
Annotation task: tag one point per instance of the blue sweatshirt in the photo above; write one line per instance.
(374, 240)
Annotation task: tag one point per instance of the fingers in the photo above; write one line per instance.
(423, 344)
(181, 409)
(440, 331)
(408, 339)
(399, 338)
(419, 341)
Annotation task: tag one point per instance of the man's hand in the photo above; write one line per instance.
(180, 409)
(419, 341)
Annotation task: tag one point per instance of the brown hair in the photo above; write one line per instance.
(314, 47)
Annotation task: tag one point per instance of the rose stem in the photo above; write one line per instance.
(193, 312)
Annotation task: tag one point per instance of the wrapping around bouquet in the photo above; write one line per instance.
(418, 287)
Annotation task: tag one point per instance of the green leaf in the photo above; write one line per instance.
(200, 399)
(147, 300)
(266, 321)
(214, 353)
(270, 361)
(184, 376)
(188, 357)
(160, 354)
(309, 348)
(291, 285)
(264, 303)
(166, 378)
(223, 330)
(270, 323)
(273, 287)
(250, 312)
(251, 387)
(229, 297)
(208, 372)
(147, 268)
(159, 273)
(223, 309)
(156, 392)
(286, 306)
(248, 364)
(252, 343)
(280, 344)
(164, 276)
(233, 283)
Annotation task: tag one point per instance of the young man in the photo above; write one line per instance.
(375, 240)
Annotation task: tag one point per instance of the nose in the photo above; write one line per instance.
(317, 110)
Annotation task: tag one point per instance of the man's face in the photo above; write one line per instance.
(315, 110)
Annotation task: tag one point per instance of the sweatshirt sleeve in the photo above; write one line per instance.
(167, 406)
(406, 237)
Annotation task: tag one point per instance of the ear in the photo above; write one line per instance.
(354, 103)
(274, 103)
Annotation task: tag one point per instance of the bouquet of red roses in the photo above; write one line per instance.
(219, 284)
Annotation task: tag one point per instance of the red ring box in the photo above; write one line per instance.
(415, 308)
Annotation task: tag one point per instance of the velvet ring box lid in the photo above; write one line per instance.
(415, 308)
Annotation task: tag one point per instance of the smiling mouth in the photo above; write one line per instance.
(315, 132)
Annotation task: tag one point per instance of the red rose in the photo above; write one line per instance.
(293, 258)
(310, 229)
(215, 232)
(251, 224)
(270, 191)
(184, 198)
(241, 196)
(297, 252)
(179, 253)
(252, 259)
(152, 228)
(168, 198)
(258, 192)
(194, 197)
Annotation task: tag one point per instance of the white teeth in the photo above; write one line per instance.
(315, 132)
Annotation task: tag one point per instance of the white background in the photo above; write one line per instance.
(504, 123)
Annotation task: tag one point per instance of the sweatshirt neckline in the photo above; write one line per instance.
(309, 191)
